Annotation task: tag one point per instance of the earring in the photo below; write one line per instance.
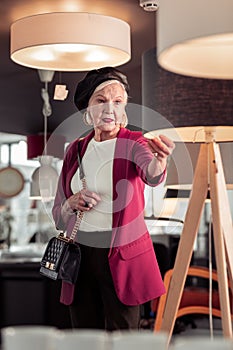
(87, 119)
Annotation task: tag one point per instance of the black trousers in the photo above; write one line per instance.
(96, 304)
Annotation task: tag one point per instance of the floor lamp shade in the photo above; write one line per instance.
(70, 41)
(195, 37)
(180, 176)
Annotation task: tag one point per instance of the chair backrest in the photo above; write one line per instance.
(189, 303)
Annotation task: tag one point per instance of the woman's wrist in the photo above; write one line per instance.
(156, 167)
(66, 208)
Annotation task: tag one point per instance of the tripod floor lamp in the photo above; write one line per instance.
(194, 92)
(208, 176)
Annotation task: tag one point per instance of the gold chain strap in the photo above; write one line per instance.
(80, 214)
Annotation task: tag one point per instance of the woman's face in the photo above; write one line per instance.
(107, 107)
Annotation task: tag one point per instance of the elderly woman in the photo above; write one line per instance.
(119, 270)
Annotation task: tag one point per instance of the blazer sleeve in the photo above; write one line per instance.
(142, 156)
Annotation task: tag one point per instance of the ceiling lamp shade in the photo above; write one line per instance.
(70, 41)
(195, 37)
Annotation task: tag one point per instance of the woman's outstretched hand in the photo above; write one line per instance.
(162, 147)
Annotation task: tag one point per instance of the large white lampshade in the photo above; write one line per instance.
(195, 37)
(180, 177)
(70, 41)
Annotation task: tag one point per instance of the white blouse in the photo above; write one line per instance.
(97, 164)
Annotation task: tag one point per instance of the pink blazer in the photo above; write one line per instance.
(132, 259)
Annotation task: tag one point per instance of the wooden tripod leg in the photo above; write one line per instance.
(225, 213)
(216, 187)
(185, 249)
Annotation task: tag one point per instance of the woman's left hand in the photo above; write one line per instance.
(161, 147)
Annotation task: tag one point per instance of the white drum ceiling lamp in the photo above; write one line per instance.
(70, 41)
(195, 37)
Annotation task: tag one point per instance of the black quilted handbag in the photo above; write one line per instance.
(62, 256)
(61, 259)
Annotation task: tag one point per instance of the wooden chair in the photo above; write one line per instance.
(195, 300)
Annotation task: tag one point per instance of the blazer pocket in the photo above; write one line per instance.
(136, 248)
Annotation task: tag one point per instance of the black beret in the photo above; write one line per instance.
(94, 78)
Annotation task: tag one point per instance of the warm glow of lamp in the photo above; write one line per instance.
(195, 38)
(70, 41)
